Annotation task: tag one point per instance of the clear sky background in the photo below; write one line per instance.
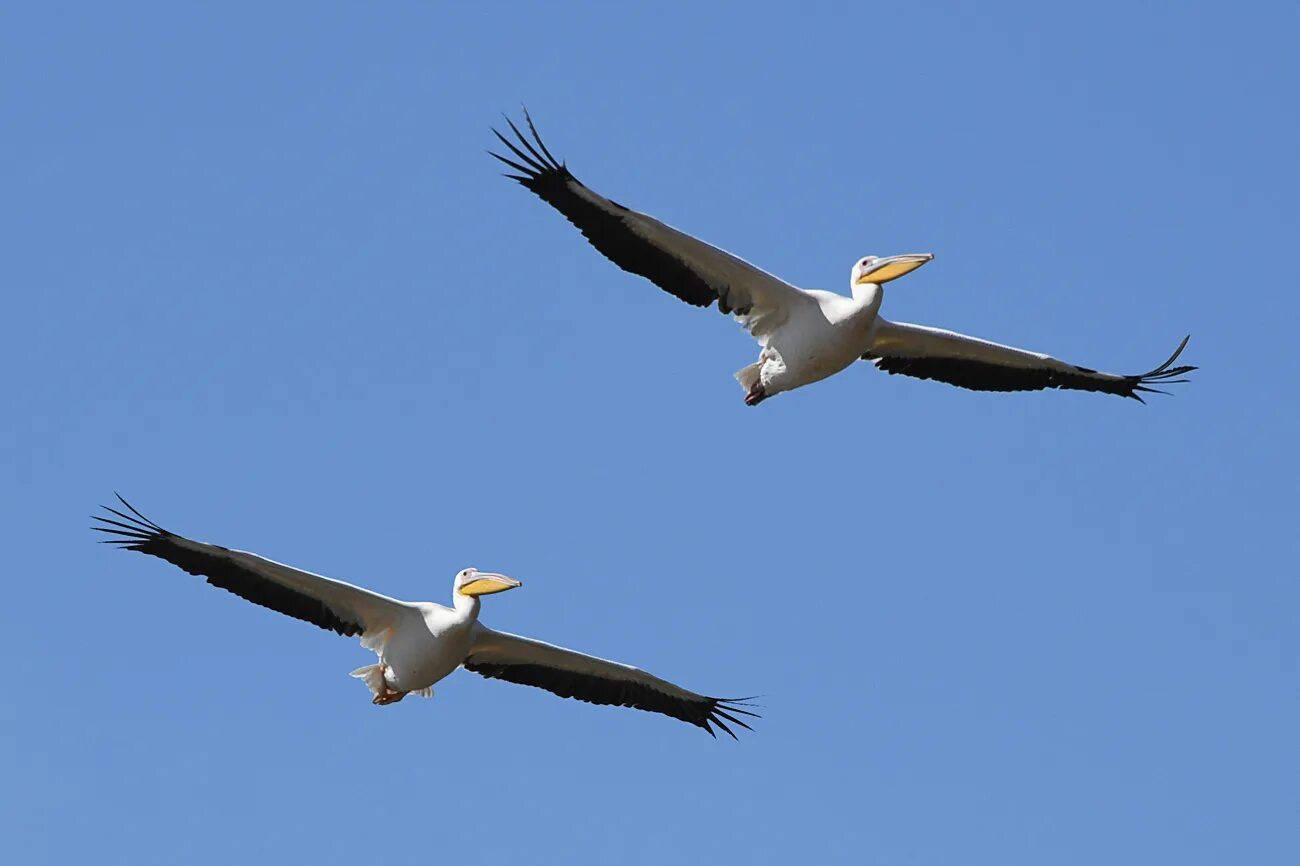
(261, 277)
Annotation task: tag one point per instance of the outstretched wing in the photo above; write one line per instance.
(322, 601)
(969, 362)
(569, 674)
(681, 265)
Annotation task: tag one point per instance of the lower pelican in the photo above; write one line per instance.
(419, 643)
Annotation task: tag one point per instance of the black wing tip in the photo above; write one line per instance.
(1165, 374)
(538, 160)
(134, 530)
(724, 710)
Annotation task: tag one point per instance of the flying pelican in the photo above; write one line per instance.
(805, 335)
(419, 643)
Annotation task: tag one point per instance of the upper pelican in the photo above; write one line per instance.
(806, 335)
(419, 643)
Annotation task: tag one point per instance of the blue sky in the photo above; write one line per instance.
(261, 277)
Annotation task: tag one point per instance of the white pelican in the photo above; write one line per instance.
(806, 335)
(419, 643)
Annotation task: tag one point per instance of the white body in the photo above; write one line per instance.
(429, 643)
(815, 340)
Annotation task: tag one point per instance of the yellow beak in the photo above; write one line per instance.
(893, 267)
(486, 583)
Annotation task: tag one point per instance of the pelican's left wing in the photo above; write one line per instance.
(684, 266)
(569, 674)
(322, 601)
(969, 362)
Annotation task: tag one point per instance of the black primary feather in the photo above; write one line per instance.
(978, 375)
(141, 534)
(606, 228)
(704, 712)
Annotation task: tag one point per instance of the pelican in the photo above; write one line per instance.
(805, 335)
(419, 643)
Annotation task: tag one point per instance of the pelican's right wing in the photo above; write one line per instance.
(322, 601)
(684, 266)
(969, 362)
(569, 674)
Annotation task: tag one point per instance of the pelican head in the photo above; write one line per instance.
(473, 582)
(874, 269)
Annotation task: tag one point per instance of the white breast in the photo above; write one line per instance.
(821, 342)
(427, 648)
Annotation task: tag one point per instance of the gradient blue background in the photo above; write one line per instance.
(260, 277)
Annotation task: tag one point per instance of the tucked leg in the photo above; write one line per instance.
(387, 695)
